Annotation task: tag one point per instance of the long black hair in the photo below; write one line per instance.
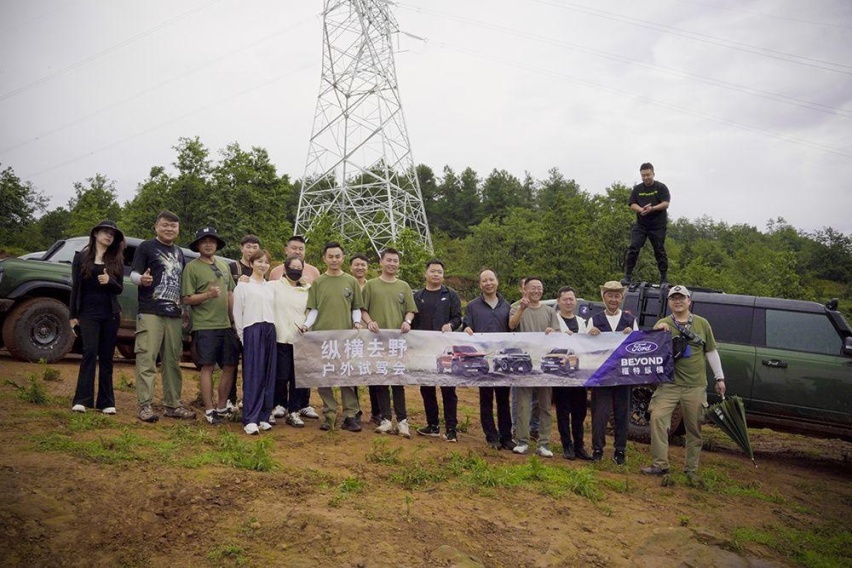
(113, 257)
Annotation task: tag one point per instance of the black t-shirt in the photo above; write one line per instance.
(654, 194)
(572, 324)
(427, 309)
(95, 300)
(166, 262)
(238, 269)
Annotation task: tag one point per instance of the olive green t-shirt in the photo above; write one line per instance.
(692, 371)
(334, 298)
(388, 302)
(197, 278)
(536, 319)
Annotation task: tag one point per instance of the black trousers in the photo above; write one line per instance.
(502, 432)
(608, 401)
(286, 393)
(98, 336)
(570, 414)
(430, 405)
(638, 235)
(384, 399)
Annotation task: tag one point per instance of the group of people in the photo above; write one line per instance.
(244, 309)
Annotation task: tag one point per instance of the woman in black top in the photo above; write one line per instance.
(97, 278)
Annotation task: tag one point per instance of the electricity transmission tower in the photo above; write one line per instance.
(360, 170)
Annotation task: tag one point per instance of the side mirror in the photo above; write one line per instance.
(847, 346)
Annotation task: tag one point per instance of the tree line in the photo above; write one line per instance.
(519, 227)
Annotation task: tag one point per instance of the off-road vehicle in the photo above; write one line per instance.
(460, 359)
(513, 360)
(560, 361)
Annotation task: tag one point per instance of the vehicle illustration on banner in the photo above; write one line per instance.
(513, 360)
(560, 361)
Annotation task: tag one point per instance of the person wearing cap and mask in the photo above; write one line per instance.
(97, 279)
(611, 400)
(208, 288)
(696, 349)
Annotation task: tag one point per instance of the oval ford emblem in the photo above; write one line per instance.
(642, 347)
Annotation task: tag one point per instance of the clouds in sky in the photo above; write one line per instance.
(745, 108)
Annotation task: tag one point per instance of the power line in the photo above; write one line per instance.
(104, 52)
(706, 38)
(716, 6)
(777, 97)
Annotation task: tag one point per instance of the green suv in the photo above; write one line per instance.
(34, 297)
(790, 360)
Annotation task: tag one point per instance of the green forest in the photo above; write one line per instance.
(518, 226)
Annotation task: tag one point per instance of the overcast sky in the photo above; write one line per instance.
(744, 107)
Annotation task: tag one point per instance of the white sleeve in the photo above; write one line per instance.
(715, 364)
(312, 317)
(239, 300)
(136, 278)
(356, 316)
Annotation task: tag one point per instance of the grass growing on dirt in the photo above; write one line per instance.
(823, 546)
(347, 487)
(33, 392)
(123, 447)
(86, 421)
(228, 555)
(715, 481)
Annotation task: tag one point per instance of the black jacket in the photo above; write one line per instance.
(449, 310)
(116, 285)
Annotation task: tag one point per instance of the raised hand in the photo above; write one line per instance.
(147, 279)
(103, 278)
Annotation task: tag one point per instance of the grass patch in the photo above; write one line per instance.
(823, 546)
(86, 421)
(228, 555)
(381, 454)
(349, 486)
(34, 391)
(123, 447)
(245, 455)
(713, 480)
(124, 383)
(48, 373)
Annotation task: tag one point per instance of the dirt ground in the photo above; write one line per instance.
(112, 491)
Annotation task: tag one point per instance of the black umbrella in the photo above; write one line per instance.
(729, 415)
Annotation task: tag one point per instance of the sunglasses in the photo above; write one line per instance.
(216, 270)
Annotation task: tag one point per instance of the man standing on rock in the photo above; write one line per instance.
(689, 388)
(649, 200)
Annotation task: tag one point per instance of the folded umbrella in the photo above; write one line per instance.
(729, 415)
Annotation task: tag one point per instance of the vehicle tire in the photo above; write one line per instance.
(639, 429)
(126, 350)
(504, 366)
(483, 370)
(523, 367)
(38, 329)
(457, 368)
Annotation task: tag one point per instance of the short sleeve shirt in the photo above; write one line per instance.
(334, 298)
(536, 319)
(644, 195)
(198, 276)
(692, 371)
(388, 302)
(166, 263)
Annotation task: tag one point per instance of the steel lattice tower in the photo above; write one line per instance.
(359, 167)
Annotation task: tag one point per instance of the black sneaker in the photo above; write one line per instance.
(452, 436)
(326, 426)
(212, 417)
(429, 430)
(581, 453)
(568, 452)
(351, 424)
(626, 280)
(619, 458)
(597, 455)
(508, 445)
(495, 445)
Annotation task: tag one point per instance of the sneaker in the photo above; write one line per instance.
(212, 417)
(544, 452)
(225, 413)
(402, 428)
(230, 406)
(146, 414)
(521, 449)
(619, 458)
(309, 412)
(508, 445)
(429, 431)
(385, 427)
(451, 436)
(568, 452)
(495, 446)
(376, 419)
(351, 424)
(597, 455)
(109, 410)
(580, 452)
(251, 429)
(294, 420)
(279, 412)
(179, 412)
(654, 470)
(265, 426)
(78, 408)
(271, 419)
(327, 426)
(627, 280)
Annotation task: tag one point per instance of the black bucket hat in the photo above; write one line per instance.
(206, 232)
(119, 236)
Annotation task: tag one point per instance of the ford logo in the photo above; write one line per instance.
(642, 347)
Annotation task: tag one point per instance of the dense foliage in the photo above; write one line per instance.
(519, 227)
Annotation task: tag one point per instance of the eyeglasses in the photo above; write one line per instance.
(216, 270)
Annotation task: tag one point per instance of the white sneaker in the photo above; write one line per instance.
(109, 410)
(402, 428)
(385, 427)
(272, 418)
(251, 429)
(294, 420)
(521, 449)
(309, 412)
(279, 412)
(544, 452)
(267, 426)
(78, 408)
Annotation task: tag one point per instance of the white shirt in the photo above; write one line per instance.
(254, 302)
(290, 305)
(581, 323)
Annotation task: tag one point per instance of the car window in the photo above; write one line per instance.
(731, 323)
(801, 332)
(69, 248)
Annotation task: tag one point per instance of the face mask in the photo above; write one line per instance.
(293, 274)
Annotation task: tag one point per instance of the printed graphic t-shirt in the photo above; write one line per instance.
(166, 262)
